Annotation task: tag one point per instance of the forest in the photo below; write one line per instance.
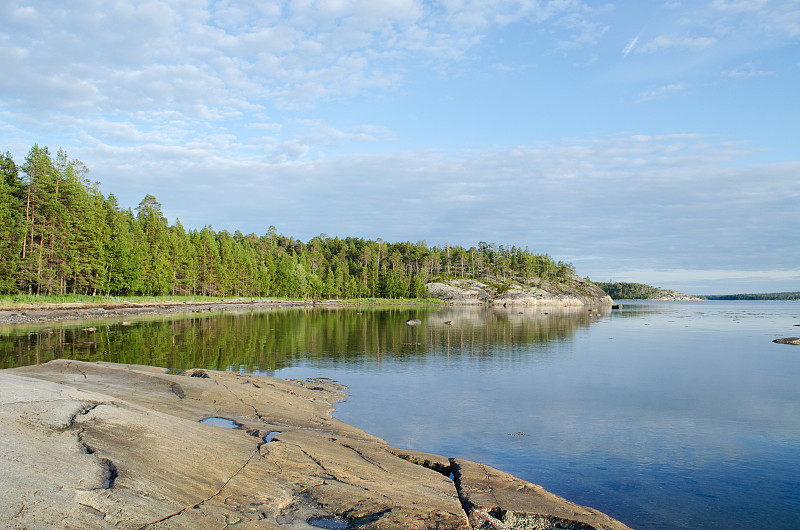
(631, 291)
(640, 291)
(791, 295)
(60, 235)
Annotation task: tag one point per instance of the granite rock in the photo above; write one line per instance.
(101, 445)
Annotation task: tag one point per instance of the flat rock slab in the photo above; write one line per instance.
(496, 500)
(101, 445)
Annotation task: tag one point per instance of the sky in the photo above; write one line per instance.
(654, 142)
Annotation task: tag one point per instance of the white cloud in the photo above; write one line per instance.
(773, 17)
(740, 5)
(289, 151)
(782, 19)
(677, 41)
(708, 281)
(661, 92)
(317, 110)
(747, 71)
(142, 53)
(645, 199)
(673, 275)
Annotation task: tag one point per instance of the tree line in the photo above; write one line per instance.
(60, 235)
(631, 291)
(791, 295)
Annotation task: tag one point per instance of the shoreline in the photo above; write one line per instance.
(77, 311)
(125, 446)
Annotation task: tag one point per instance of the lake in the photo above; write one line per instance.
(661, 414)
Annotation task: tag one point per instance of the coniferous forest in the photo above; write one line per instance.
(60, 235)
(631, 291)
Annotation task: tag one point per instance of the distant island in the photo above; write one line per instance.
(640, 291)
(793, 295)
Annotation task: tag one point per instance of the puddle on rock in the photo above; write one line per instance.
(271, 436)
(221, 422)
(329, 523)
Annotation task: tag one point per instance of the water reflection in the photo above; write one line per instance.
(669, 415)
(220, 422)
(267, 341)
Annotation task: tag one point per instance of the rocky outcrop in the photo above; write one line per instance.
(577, 292)
(461, 291)
(99, 445)
(674, 296)
(79, 311)
(788, 340)
(496, 501)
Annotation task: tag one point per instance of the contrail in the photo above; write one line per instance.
(631, 45)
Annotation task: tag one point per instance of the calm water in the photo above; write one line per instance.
(663, 415)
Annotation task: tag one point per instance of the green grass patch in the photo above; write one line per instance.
(391, 301)
(26, 301)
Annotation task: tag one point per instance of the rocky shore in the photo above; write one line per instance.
(674, 296)
(578, 292)
(43, 313)
(101, 445)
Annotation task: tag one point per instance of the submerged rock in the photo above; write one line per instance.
(788, 340)
(102, 445)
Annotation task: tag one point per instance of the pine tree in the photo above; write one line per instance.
(11, 223)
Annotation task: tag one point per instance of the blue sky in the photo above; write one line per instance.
(655, 142)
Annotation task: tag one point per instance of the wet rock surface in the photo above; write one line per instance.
(101, 445)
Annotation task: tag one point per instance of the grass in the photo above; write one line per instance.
(392, 301)
(27, 301)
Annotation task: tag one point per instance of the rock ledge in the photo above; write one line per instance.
(577, 293)
(101, 445)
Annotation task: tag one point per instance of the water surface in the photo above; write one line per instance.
(663, 415)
